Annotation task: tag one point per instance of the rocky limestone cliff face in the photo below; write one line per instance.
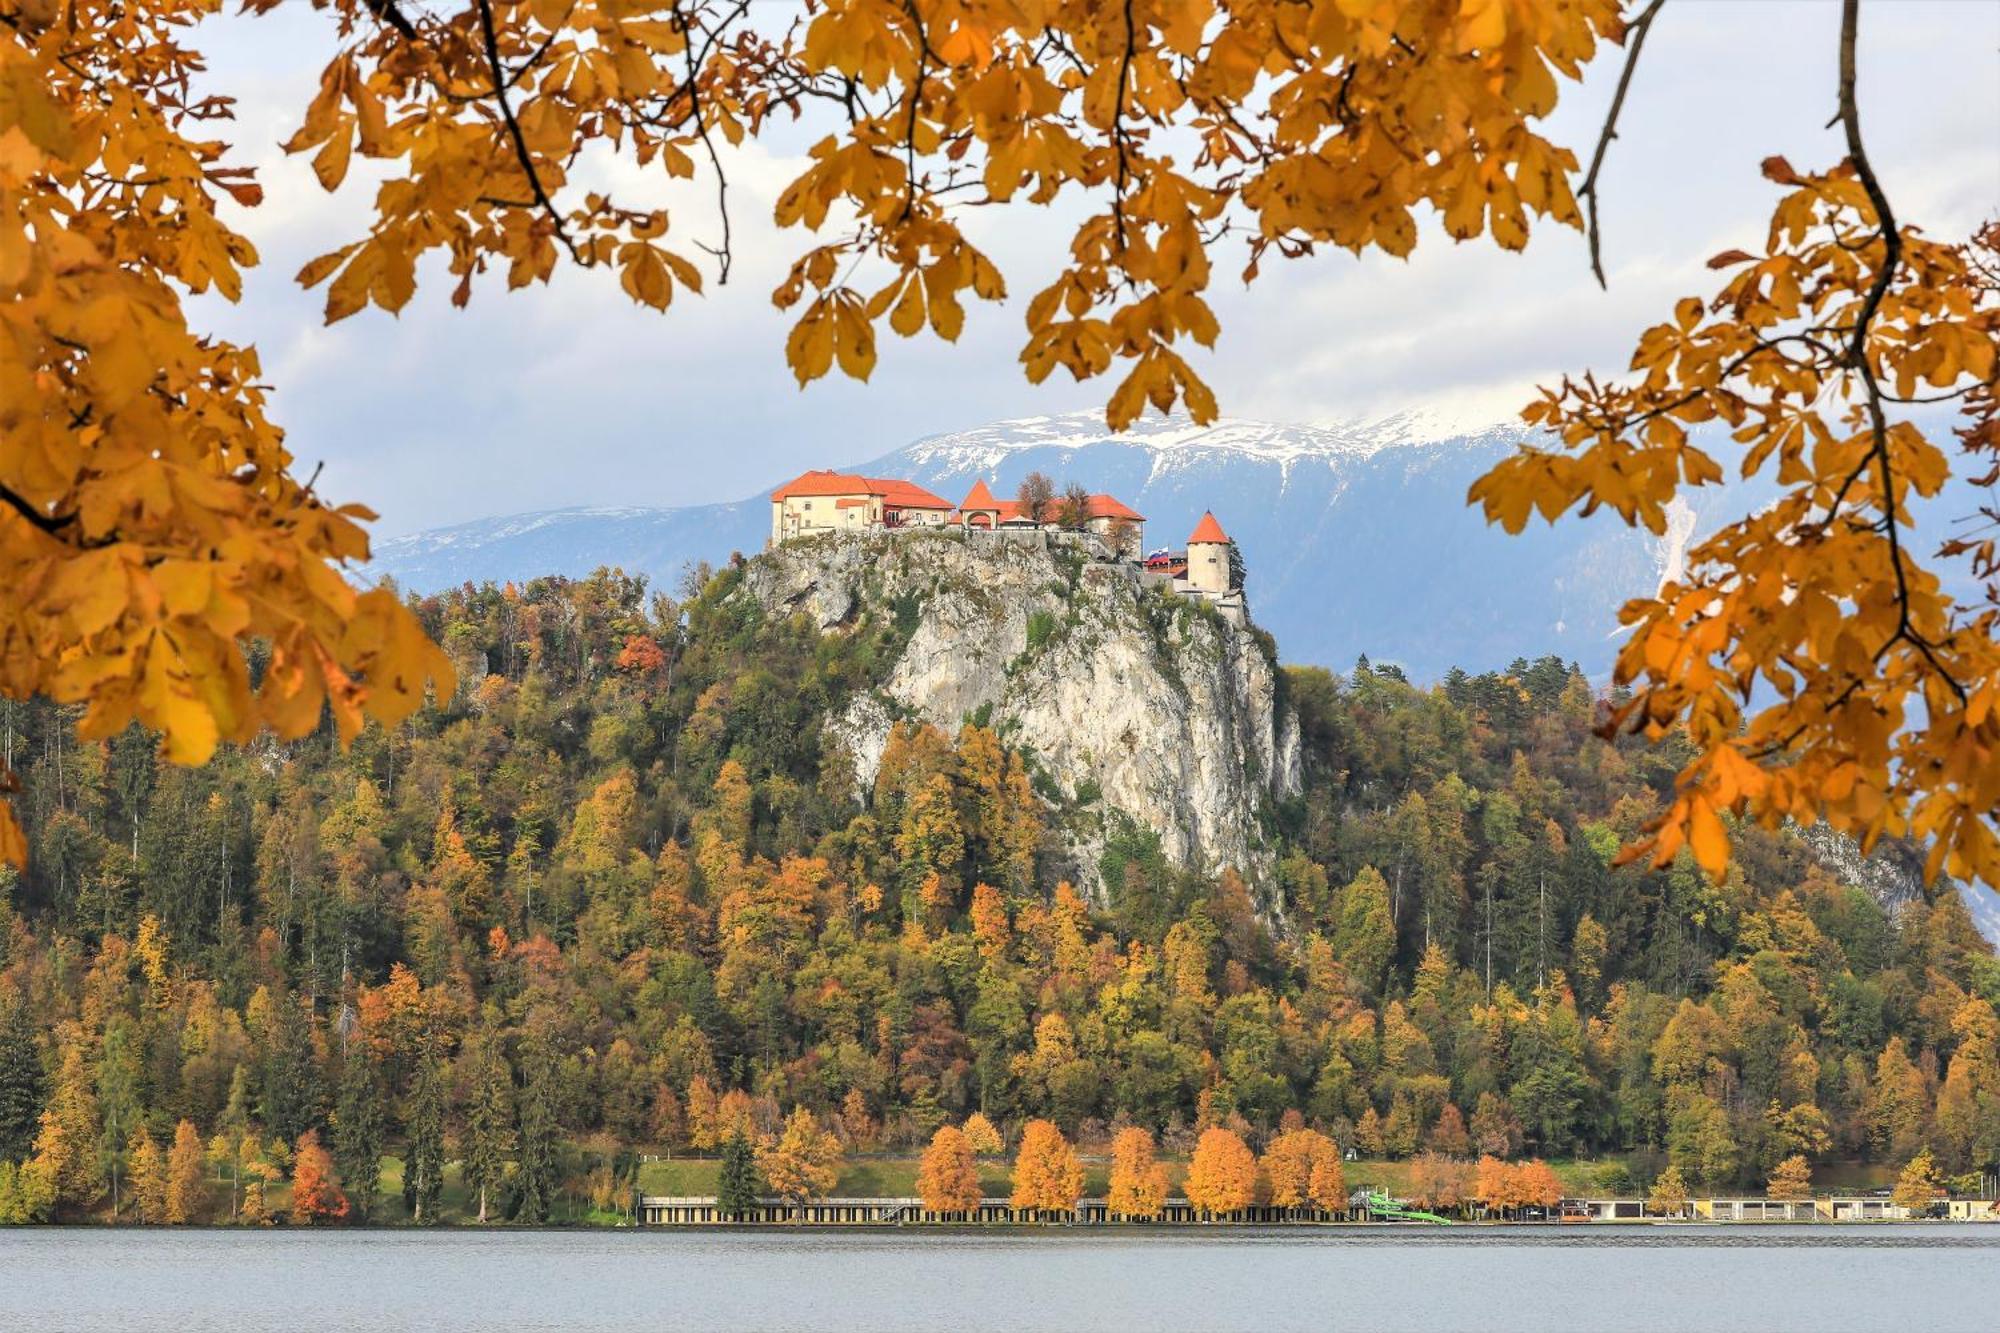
(1131, 701)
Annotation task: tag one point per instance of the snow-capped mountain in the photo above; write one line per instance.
(1357, 537)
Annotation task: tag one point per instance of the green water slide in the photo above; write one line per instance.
(1392, 1210)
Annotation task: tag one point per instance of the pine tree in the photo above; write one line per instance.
(739, 1184)
(423, 1164)
(22, 1082)
(291, 1103)
(535, 1179)
(358, 1130)
(489, 1122)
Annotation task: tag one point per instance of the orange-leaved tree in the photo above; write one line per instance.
(1138, 1185)
(152, 531)
(948, 1177)
(804, 1162)
(1048, 1178)
(1222, 1174)
(1293, 1160)
(315, 1195)
(1790, 1179)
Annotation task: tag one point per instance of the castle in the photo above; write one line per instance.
(826, 501)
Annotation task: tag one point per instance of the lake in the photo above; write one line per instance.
(1719, 1278)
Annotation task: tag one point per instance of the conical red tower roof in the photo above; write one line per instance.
(1208, 530)
(979, 497)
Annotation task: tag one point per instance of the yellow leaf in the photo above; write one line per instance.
(13, 845)
(1707, 836)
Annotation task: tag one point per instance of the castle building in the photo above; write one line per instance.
(842, 502)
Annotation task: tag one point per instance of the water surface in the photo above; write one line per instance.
(1825, 1279)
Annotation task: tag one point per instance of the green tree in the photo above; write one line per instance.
(423, 1162)
(489, 1121)
(22, 1081)
(359, 1130)
(738, 1185)
(535, 1179)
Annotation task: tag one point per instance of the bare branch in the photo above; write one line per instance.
(1640, 27)
(491, 39)
(1857, 347)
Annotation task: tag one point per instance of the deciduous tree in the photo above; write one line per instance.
(1917, 1185)
(145, 1177)
(1048, 1177)
(1222, 1174)
(316, 1197)
(1669, 1195)
(804, 1162)
(981, 1136)
(1790, 1179)
(1138, 1185)
(187, 1187)
(948, 1177)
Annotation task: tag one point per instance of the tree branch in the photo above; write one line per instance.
(1640, 27)
(1857, 347)
(491, 41)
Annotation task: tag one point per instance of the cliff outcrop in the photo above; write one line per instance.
(1132, 703)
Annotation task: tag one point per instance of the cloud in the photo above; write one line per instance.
(570, 395)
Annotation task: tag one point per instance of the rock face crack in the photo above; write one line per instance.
(1133, 703)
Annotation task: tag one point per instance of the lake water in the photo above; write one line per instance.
(1823, 1279)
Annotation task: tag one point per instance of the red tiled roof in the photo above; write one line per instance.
(1105, 506)
(979, 497)
(823, 483)
(895, 493)
(905, 494)
(1208, 530)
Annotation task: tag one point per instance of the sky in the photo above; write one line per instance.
(570, 395)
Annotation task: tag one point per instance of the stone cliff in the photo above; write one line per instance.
(1131, 702)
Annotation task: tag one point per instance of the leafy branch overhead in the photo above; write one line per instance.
(150, 526)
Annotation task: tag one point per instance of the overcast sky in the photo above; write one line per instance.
(570, 395)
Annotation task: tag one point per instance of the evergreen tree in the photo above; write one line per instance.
(739, 1185)
(358, 1131)
(489, 1121)
(22, 1083)
(291, 1088)
(423, 1163)
(535, 1179)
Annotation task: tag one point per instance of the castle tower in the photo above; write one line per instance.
(1208, 557)
(979, 509)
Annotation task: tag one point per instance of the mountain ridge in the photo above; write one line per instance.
(1357, 536)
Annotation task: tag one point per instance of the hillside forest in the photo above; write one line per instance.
(619, 899)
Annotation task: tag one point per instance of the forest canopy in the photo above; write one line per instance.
(617, 894)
